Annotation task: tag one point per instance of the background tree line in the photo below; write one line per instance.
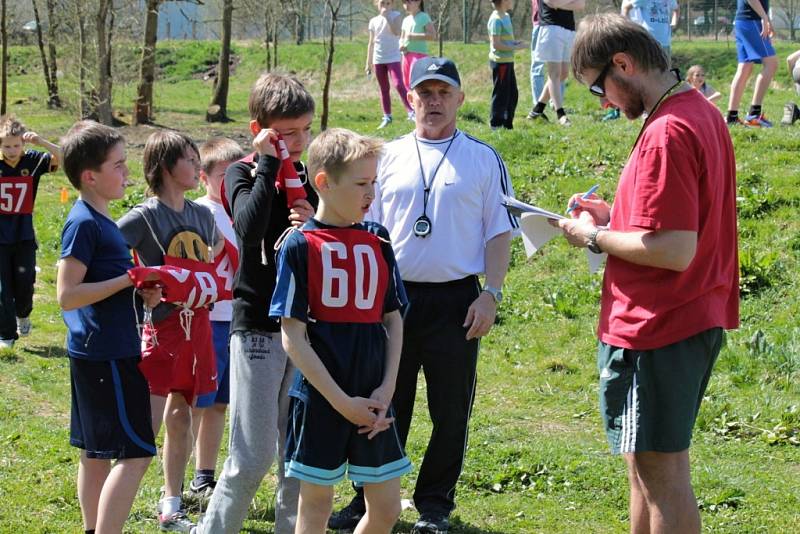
(93, 40)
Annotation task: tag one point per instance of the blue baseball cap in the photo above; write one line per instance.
(434, 68)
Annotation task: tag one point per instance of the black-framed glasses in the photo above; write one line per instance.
(598, 87)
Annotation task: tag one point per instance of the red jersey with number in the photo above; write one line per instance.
(681, 175)
(341, 282)
(18, 188)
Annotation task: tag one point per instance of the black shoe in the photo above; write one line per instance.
(431, 524)
(537, 117)
(348, 517)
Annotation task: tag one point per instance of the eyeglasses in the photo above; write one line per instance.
(598, 88)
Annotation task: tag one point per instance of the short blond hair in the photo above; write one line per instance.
(10, 126)
(219, 150)
(601, 36)
(336, 148)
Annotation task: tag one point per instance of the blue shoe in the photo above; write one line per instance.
(757, 121)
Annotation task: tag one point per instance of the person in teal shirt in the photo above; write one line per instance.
(501, 60)
(415, 33)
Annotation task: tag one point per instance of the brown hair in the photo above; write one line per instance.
(86, 146)
(601, 36)
(278, 96)
(10, 126)
(217, 150)
(334, 149)
(162, 151)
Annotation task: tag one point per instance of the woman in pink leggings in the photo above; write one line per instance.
(417, 30)
(384, 53)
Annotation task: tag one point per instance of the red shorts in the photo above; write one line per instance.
(174, 363)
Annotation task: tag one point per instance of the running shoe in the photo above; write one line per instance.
(790, 114)
(199, 493)
(757, 121)
(24, 326)
(612, 115)
(177, 522)
(564, 121)
(386, 121)
(537, 117)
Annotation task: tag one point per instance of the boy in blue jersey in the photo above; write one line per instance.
(20, 172)
(110, 398)
(753, 30)
(338, 296)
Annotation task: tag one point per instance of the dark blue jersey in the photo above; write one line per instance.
(18, 187)
(745, 12)
(341, 281)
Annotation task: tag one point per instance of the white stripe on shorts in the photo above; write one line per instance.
(629, 420)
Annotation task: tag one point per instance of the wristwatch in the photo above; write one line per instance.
(496, 293)
(592, 244)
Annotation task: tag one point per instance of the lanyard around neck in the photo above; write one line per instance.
(671, 91)
(426, 186)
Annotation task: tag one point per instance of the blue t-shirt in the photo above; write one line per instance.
(105, 330)
(745, 12)
(655, 15)
(340, 281)
(18, 187)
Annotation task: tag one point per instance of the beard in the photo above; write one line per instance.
(632, 101)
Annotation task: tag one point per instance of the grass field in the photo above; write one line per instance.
(538, 461)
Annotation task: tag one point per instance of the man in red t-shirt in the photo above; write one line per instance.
(671, 283)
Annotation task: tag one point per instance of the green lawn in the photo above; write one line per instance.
(537, 460)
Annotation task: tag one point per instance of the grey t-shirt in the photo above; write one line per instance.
(152, 229)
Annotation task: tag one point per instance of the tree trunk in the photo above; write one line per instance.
(267, 33)
(334, 6)
(84, 109)
(52, 26)
(444, 17)
(40, 42)
(143, 107)
(103, 28)
(3, 59)
(218, 109)
(275, 42)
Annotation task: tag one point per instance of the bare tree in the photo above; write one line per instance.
(52, 26)
(333, 6)
(444, 17)
(84, 109)
(143, 107)
(218, 109)
(104, 26)
(3, 59)
(52, 92)
(789, 13)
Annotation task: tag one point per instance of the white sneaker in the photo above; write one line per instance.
(6, 343)
(24, 326)
(387, 120)
(564, 121)
(412, 116)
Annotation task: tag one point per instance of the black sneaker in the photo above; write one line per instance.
(537, 117)
(348, 517)
(431, 524)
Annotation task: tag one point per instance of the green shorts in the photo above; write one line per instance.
(649, 399)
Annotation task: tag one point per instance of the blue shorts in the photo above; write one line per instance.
(750, 46)
(220, 330)
(110, 409)
(322, 446)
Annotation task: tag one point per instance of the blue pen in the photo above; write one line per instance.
(584, 196)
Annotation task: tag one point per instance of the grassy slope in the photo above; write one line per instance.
(537, 460)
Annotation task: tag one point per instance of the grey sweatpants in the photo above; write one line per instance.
(261, 374)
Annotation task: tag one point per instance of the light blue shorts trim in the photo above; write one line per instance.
(358, 474)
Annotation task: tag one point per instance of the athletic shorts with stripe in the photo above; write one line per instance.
(750, 46)
(322, 446)
(110, 409)
(649, 400)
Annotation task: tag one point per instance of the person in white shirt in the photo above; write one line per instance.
(383, 55)
(439, 193)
